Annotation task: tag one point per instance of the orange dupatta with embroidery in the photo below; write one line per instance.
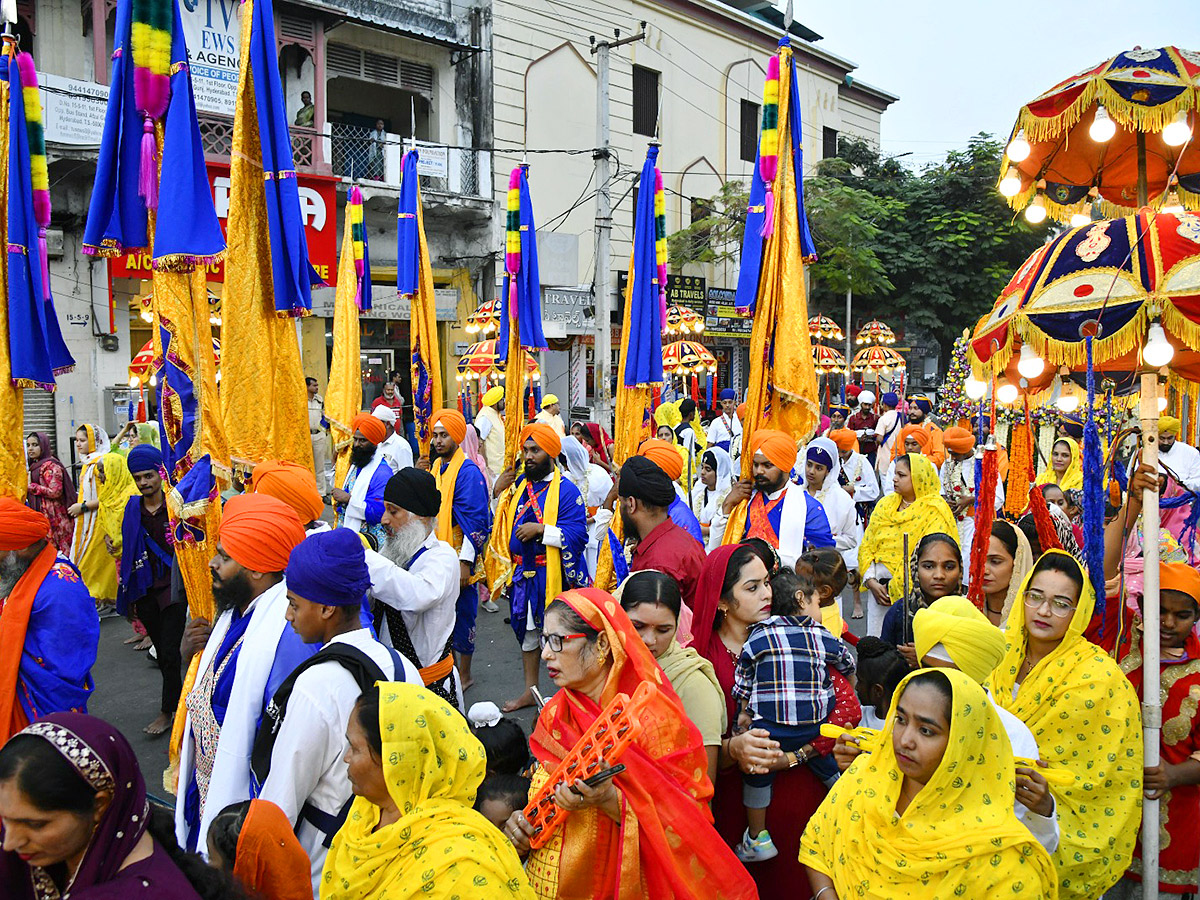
(665, 845)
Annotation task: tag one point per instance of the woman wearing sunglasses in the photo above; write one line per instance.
(1085, 718)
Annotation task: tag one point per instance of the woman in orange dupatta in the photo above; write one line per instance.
(254, 841)
(648, 832)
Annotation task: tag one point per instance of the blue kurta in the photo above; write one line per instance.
(529, 573)
(472, 514)
(817, 532)
(681, 514)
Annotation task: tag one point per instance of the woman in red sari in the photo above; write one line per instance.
(647, 833)
(733, 594)
(51, 490)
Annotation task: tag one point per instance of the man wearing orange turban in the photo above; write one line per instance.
(958, 483)
(245, 655)
(294, 485)
(772, 506)
(666, 456)
(537, 546)
(48, 629)
(359, 501)
(464, 522)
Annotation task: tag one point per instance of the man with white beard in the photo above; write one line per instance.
(415, 579)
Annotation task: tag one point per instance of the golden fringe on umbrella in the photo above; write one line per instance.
(343, 397)
(13, 471)
(1122, 111)
(264, 402)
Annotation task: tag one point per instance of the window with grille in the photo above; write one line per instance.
(829, 138)
(749, 130)
(645, 101)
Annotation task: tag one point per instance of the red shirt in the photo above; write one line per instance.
(671, 550)
(396, 403)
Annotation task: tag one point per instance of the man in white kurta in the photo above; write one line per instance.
(887, 432)
(358, 501)
(245, 655)
(415, 581)
(396, 450)
(725, 431)
(303, 770)
(822, 468)
(490, 425)
(1182, 459)
(858, 475)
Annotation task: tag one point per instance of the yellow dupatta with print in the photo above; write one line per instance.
(439, 848)
(927, 514)
(1086, 719)
(958, 838)
(1072, 478)
(445, 517)
(498, 563)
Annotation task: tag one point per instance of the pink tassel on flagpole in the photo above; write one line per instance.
(768, 226)
(148, 174)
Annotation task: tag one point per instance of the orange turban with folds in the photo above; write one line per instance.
(260, 532)
(664, 455)
(957, 440)
(541, 434)
(1179, 577)
(844, 438)
(918, 434)
(454, 423)
(293, 484)
(373, 429)
(777, 447)
(20, 526)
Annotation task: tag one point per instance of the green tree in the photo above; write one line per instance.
(715, 234)
(846, 223)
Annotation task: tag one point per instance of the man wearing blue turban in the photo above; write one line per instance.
(297, 759)
(144, 577)
(725, 431)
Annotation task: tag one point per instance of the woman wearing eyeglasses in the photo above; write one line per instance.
(1085, 718)
(648, 831)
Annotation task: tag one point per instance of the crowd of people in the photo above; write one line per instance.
(720, 726)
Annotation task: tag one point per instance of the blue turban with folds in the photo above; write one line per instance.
(820, 456)
(729, 394)
(330, 568)
(890, 399)
(144, 458)
(921, 402)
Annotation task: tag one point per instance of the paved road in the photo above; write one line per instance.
(128, 684)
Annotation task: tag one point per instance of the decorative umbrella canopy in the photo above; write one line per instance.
(828, 360)
(480, 362)
(1080, 139)
(688, 358)
(875, 332)
(485, 319)
(877, 359)
(143, 365)
(823, 328)
(1111, 279)
(682, 320)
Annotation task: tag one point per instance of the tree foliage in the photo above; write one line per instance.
(715, 234)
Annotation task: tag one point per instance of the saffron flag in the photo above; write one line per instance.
(639, 364)
(414, 279)
(343, 397)
(782, 391)
(264, 403)
(520, 307)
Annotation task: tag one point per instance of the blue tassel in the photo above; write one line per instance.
(978, 457)
(1094, 493)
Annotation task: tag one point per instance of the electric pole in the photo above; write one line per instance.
(601, 286)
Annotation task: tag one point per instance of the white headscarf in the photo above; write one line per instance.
(831, 477)
(100, 442)
(706, 502)
(577, 462)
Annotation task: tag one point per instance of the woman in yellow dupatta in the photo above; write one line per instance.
(915, 508)
(1066, 466)
(1085, 717)
(929, 814)
(411, 832)
(88, 552)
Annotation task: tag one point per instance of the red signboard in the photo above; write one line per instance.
(318, 204)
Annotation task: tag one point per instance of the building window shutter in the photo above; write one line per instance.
(749, 131)
(829, 138)
(645, 101)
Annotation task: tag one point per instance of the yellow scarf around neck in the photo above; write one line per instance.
(446, 478)
(498, 564)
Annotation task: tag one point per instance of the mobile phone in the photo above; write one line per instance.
(601, 777)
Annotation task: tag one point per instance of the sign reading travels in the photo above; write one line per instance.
(212, 29)
(687, 290)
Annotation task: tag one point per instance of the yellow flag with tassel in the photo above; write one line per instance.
(343, 397)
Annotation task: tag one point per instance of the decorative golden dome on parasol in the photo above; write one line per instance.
(823, 328)
(828, 360)
(682, 320)
(877, 359)
(875, 332)
(688, 358)
(486, 319)
(479, 362)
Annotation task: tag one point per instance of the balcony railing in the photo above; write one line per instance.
(359, 153)
(216, 135)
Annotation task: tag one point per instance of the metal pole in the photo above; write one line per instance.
(1151, 667)
(849, 357)
(1142, 194)
(602, 286)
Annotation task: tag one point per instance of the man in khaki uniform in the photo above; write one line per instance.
(316, 429)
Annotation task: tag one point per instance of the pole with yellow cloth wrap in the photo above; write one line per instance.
(343, 396)
(782, 392)
(14, 472)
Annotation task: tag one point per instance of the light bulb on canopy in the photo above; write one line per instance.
(1018, 148)
(1007, 393)
(1178, 132)
(1162, 404)
(485, 320)
(1103, 127)
(1030, 364)
(828, 360)
(1035, 212)
(1080, 220)
(1010, 184)
(1158, 351)
(974, 388)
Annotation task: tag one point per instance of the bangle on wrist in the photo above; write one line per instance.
(817, 895)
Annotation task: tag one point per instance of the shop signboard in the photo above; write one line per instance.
(722, 318)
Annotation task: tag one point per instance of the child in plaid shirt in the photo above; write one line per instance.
(783, 684)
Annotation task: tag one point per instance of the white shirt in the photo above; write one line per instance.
(792, 521)
(861, 477)
(397, 451)
(425, 595)
(554, 421)
(306, 761)
(1184, 460)
(724, 429)
(886, 426)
